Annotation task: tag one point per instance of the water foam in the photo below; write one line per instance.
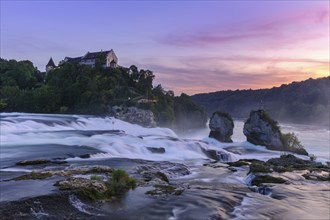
(113, 138)
(82, 207)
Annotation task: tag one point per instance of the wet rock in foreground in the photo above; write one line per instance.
(258, 180)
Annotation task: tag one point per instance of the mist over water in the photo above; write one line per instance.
(316, 139)
(24, 135)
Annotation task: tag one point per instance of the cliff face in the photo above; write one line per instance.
(134, 115)
(305, 102)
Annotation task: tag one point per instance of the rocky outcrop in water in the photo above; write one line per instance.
(79, 183)
(67, 172)
(134, 115)
(160, 172)
(37, 162)
(221, 125)
(156, 150)
(261, 129)
(217, 155)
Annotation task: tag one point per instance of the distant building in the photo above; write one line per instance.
(50, 65)
(89, 58)
(111, 60)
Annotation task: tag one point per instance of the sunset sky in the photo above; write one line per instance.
(191, 46)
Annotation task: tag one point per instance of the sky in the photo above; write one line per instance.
(191, 46)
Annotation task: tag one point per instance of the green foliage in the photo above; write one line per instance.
(265, 116)
(91, 194)
(32, 162)
(3, 104)
(81, 89)
(162, 176)
(95, 177)
(34, 176)
(101, 60)
(291, 143)
(163, 108)
(63, 109)
(188, 113)
(226, 115)
(290, 140)
(266, 179)
(260, 167)
(21, 74)
(120, 182)
(238, 163)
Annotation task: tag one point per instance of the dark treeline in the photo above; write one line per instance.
(305, 102)
(81, 89)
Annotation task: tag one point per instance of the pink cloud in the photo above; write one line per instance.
(255, 59)
(317, 15)
(206, 39)
(284, 29)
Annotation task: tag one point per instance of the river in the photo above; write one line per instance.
(210, 192)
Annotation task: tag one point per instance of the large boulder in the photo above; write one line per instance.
(261, 129)
(222, 126)
(134, 115)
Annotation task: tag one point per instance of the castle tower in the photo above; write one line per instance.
(50, 65)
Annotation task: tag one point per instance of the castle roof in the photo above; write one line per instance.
(94, 55)
(73, 59)
(51, 63)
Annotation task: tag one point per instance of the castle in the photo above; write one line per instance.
(89, 58)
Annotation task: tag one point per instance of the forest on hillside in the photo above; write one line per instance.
(305, 102)
(80, 89)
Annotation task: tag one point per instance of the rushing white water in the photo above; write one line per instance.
(22, 133)
(211, 190)
(316, 139)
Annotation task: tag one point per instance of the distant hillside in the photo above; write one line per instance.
(305, 102)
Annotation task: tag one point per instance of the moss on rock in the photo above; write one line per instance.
(289, 162)
(165, 190)
(32, 162)
(260, 167)
(239, 163)
(96, 189)
(162, 176)
(225, 115)
(266, 179)
(34, 176)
